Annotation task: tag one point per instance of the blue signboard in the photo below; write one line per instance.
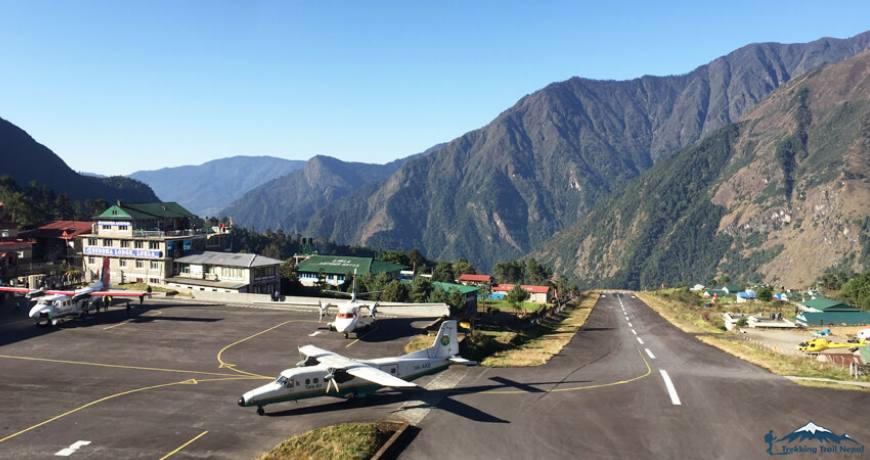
(123, 252)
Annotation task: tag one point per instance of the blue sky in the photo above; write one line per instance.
(114, 87)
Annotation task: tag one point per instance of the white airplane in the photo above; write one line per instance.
(349, 317)
(320, 371)
(55, 306)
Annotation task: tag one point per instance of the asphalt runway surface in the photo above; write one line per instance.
(605, 396)
(166, 381)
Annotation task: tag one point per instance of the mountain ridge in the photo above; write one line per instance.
(501, 191)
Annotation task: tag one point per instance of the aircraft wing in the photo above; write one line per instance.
(16, 290)
(118, 294)
(378, 376)
(355, 368)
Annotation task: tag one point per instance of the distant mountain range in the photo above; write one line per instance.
(26, 161)
(208, 188)
(780, 196)
(504, 190)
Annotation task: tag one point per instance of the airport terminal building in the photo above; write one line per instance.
(334, 269)
(227, 272)
(142, 241)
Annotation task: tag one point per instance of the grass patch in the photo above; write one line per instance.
(684, 311)
(419, 342)
(352, 441)
(536, 344)
(505, 306)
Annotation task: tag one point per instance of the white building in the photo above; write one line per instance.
(226, 272)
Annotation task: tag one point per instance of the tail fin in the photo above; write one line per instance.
(104, 274)
(445, 344)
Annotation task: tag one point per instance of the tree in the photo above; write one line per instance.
(765, 294)
(857, 290)
(421, 289)
(443, 272)
(535, 273)
(509, 272)
(462, 266)
(516, 296)
(394, 291)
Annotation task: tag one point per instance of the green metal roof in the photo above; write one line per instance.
(824, 304)
(340, 265)
(379, 266)
(834, 317)
(447, 287)
(144, 211)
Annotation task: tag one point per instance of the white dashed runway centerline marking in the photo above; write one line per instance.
(649, 353)
(672, 392)
(639, 340)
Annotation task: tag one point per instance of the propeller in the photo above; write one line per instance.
(374, 310)
(322, 312)
(330, 380)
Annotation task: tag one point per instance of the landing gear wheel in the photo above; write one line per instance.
(345, 335)
(260, 411)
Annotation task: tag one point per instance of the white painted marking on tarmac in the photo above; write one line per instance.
(634, 332)
(672, 392)
(649, 353)
(314, 333)
(66, 452)
(639, 340)
(629, 324)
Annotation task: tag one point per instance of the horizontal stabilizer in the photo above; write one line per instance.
(463, 361)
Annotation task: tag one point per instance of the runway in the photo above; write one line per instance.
(630, 384)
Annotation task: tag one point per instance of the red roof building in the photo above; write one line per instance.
(62, 229)
(539, 294)
(475, 280)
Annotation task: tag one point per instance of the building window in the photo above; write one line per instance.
(185, 269)
(139, 264)
(154, 280)
(125, 243)
(91, 260)
(107, 227)
(122, 227)
(107, 242)
(137, 244)
(155, 265)
(153, 245)
(122, 262)
(92, 241)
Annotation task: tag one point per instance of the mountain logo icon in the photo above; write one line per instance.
(812, 439)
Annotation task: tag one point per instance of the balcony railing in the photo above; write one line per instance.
(167, 233)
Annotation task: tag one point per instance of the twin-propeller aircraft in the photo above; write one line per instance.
(323, 372)
(350, 317)
(54, 306)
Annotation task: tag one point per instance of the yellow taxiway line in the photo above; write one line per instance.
(581, 388)
(115, 366)
(374, 328)
(113, 396)
(232, 367)
(179, 448)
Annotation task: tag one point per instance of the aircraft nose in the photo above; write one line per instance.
(242, 401)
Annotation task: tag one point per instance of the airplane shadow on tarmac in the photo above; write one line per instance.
(16, 326)
(440, 399)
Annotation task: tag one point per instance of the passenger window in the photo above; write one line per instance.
(393, 370)
(316, 380)
(307, 381)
